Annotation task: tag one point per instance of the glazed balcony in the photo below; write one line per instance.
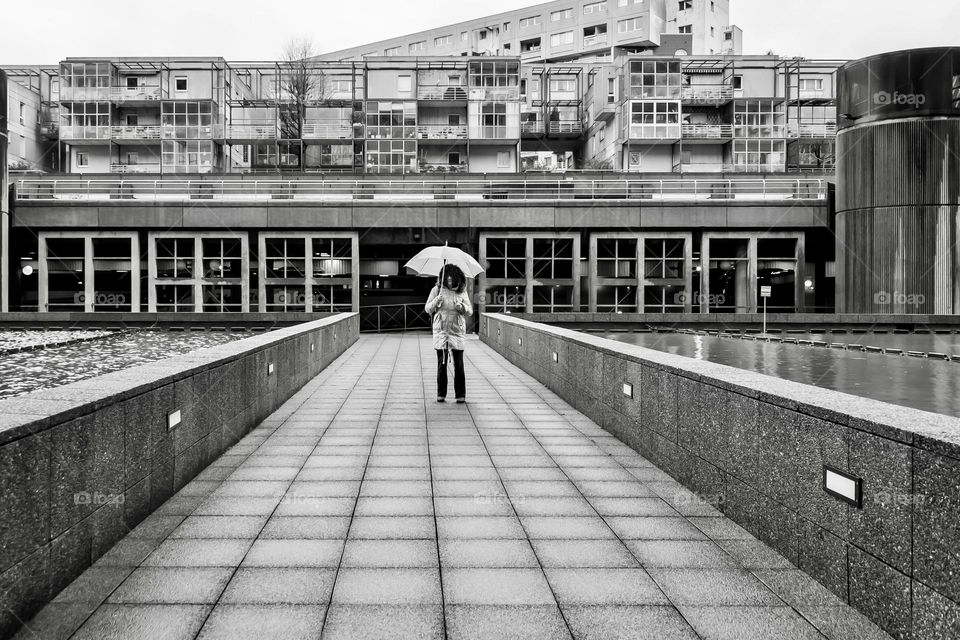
(146, 132)
(709, 94)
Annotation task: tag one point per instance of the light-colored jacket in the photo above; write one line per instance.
(449, 317)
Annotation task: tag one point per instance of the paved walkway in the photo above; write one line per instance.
(364, 509)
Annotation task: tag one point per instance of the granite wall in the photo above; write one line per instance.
(82, 464)
(755, 447)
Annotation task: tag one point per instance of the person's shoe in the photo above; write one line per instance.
(441, 399)
(461, 400)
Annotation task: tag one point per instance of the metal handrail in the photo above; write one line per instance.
(699, 130)
(442, 131)
(508, 188)
(394, 317)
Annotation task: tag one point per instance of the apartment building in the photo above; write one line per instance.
(398, 115)
(749, 114)
(565, 30)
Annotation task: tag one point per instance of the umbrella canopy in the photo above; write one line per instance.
(432, 259)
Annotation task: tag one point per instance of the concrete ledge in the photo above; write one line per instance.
(755, 447)
(82, 464)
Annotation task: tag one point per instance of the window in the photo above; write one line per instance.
(453, 158)
(738, 82)
(506, 26)
(654, 120)
(631, 24)
(453, 119)
(713, 32)
(443, 41)
(404, 84)
(758, 119)
(418, 46)
(22, 108)
(529, 22)
(527, 46)
(180, 83)
(561, 39)
(563, 14)
(565, 85)
(464, 36)
(133, 157)
(594, 7)
(503, 159)
(83, 159)
(623, 3)
(133, 82)
(811, 84)
(483, 35)
(392, 51)
(611, 90)
(728, 35)
(687, 28)
(132, 119)
(685, 4)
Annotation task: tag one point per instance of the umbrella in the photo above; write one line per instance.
(432, 260)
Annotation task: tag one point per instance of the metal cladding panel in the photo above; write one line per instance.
(898, 260)
(901, 84)
(899, 163)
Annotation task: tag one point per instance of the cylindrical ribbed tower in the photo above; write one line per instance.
(898, 183)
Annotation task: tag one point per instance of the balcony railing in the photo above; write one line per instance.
(707, 94)
(565, 127)
(496, 132)
(595, 40)
(442, 132)
(494, 94)
(266, 130)
(442, 92)
(312, 130)
(150, 132)
(123, 167)
(533, 127)
(124, 94)
(655, 131)
(811, 129)
(443, 167)
(463, 190)
(85, 132)
(708, 131)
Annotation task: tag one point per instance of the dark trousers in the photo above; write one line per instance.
(459, 379)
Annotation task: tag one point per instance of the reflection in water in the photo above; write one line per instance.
(931, 385)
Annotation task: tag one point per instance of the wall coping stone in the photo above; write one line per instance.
(44, 408)
(923, 429)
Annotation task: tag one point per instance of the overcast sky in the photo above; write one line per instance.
(257, 29)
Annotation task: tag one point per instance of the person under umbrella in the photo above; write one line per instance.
(449, 305)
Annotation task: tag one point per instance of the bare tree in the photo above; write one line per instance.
(302, 83)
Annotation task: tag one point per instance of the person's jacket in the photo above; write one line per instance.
(449, 321)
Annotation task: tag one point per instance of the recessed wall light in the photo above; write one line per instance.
(628, 389)
(173, 419)
(843, 486)
(270, 369)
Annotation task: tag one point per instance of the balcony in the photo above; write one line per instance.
(597, 40)
(532, 128)
(709, 132)
(507, 132)
(564, 127)
(326, 131)
(75, 133)
(49, 130)
(811, 129)
(443, 167)
(494, 94)
(136, 94)
(251, 130)
(441, 132)
(123, 167)
(443, 93)
(151, 132)
(708, 95)
(655, 133)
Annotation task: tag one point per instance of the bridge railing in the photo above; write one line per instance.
(178, 189)
(394, 317)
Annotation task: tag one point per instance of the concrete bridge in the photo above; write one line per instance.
(361, 508)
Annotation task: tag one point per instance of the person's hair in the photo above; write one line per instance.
(459, 280)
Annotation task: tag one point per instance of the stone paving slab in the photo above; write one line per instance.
(364, 509)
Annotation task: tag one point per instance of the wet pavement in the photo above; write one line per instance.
(364, 509)
(53, 366)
